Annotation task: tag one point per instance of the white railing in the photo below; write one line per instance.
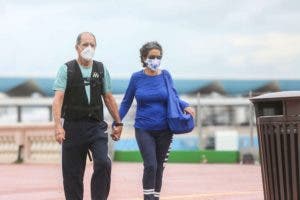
(35, 142)
(30, 143)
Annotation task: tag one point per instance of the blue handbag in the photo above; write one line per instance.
(178, 121)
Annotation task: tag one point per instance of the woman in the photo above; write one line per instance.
(153, 136)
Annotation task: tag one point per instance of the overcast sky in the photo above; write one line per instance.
(200, 38)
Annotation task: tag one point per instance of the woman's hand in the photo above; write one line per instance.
(116, 132)
(190, 111)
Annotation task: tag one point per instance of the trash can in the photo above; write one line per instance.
(278, 127)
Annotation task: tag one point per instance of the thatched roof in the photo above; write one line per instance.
(25, 89)
(213, 87)
(272, 86)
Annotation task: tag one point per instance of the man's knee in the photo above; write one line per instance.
(71, 176)
(100, 164)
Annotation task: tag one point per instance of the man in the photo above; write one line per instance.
(78, 89)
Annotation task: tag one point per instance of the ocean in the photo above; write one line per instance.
(183, 86)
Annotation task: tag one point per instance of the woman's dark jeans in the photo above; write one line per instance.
(154, 147)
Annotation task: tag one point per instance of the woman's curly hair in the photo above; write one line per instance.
(148, 47)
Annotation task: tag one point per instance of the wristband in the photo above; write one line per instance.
(118, 124)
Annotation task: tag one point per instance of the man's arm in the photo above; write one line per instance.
(56, 110)
(112, 107)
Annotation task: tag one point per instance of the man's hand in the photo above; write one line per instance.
(56, 109)
(59, 134)
(116, 132)
(190, 111)
(112, 107)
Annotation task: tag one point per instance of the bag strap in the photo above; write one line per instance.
(166, 81)
(169, 88)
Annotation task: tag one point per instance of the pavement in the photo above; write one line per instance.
(181, 182)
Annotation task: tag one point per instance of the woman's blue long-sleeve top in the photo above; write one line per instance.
(151, 96)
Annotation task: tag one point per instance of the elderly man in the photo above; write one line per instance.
(79, 86)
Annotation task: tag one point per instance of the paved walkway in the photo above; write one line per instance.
(181, 182)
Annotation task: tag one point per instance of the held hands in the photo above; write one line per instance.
(116, 132)
(190, 110)
(59, 134)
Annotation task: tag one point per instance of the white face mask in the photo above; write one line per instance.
(153, 64)
(88, 53)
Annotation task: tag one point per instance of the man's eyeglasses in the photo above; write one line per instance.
(153, 57)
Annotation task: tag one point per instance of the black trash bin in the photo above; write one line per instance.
(278, 127)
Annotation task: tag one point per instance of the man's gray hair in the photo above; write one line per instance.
(78, 40)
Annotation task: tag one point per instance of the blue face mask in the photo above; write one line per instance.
(153, 64)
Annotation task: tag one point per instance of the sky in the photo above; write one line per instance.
(234, 39)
